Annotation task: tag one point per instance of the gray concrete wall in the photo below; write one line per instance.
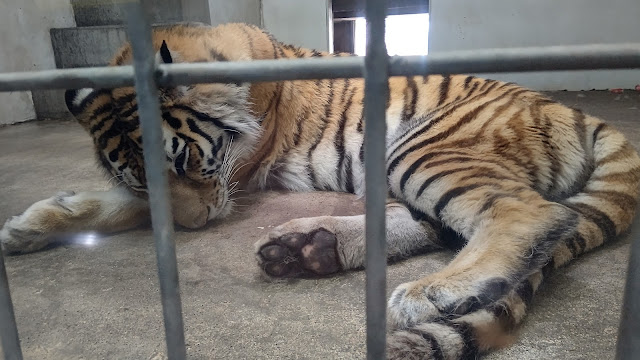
(306, 23)
(108, 12)
(196, 10)
(471, 24)
(225, 11)
(26, 45)
(76, 47)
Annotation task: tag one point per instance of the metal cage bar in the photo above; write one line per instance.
(8, 328)
(375, 67)
(628, 342)
(576, 57)
(139, 33)
(376, 75)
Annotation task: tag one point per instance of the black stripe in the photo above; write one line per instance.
(249, 40)
(97, 127)
(470, 350)
(102, 109)
(568, 242)
(525, 291)
(301, 120)
(186, 138)
(452, 194)
(174, 144)
(596, 132)
(216, 146)
(550, 151)
(179, 163)
(105, 136)
(299, 53)
(487, 174)
(493, 198)
(174, 122)
(349, 174)
(204, 117)
(474, 87)
(121, 101)
(345, 90)
(129, 112)
(436, 353)
(338, 141)
(195, 129)
(444, 89)
(487, 82)
(412, 169)
(410, 107)
(325, 118)
(461, 159)
(467, 81)
(437, 176)
(581, 242)
(580, 128)
(602, 220)
(215, 55)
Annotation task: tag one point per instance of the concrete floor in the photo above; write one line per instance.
(102, 301)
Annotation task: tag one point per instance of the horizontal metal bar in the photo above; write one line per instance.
(8, 328)
(576, 57)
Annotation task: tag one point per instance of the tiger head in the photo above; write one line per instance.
(207, 130)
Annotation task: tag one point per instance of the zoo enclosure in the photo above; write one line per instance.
(375, 67)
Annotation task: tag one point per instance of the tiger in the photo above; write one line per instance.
(513, 181)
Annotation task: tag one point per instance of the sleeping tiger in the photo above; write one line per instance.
(517, 183)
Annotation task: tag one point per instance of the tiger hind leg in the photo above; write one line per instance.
(512, 232)
(68, 212)
(328, 244)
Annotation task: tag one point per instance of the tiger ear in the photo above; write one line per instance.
(76, 99)
(164, 55)
(83, 103)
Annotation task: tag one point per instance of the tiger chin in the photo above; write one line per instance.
(517, 183)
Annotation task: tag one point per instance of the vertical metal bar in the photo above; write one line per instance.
(8, 327)
(376, 74)
(628, 347)
(139, 32)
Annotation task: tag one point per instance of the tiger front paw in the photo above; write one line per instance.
(28, 232)
(15, 238)
(287, 253)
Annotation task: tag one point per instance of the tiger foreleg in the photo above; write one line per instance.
(328, 244)
(68, 212)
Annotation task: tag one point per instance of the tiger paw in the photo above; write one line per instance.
(28, 232)
(16, 238)
(298, 254)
